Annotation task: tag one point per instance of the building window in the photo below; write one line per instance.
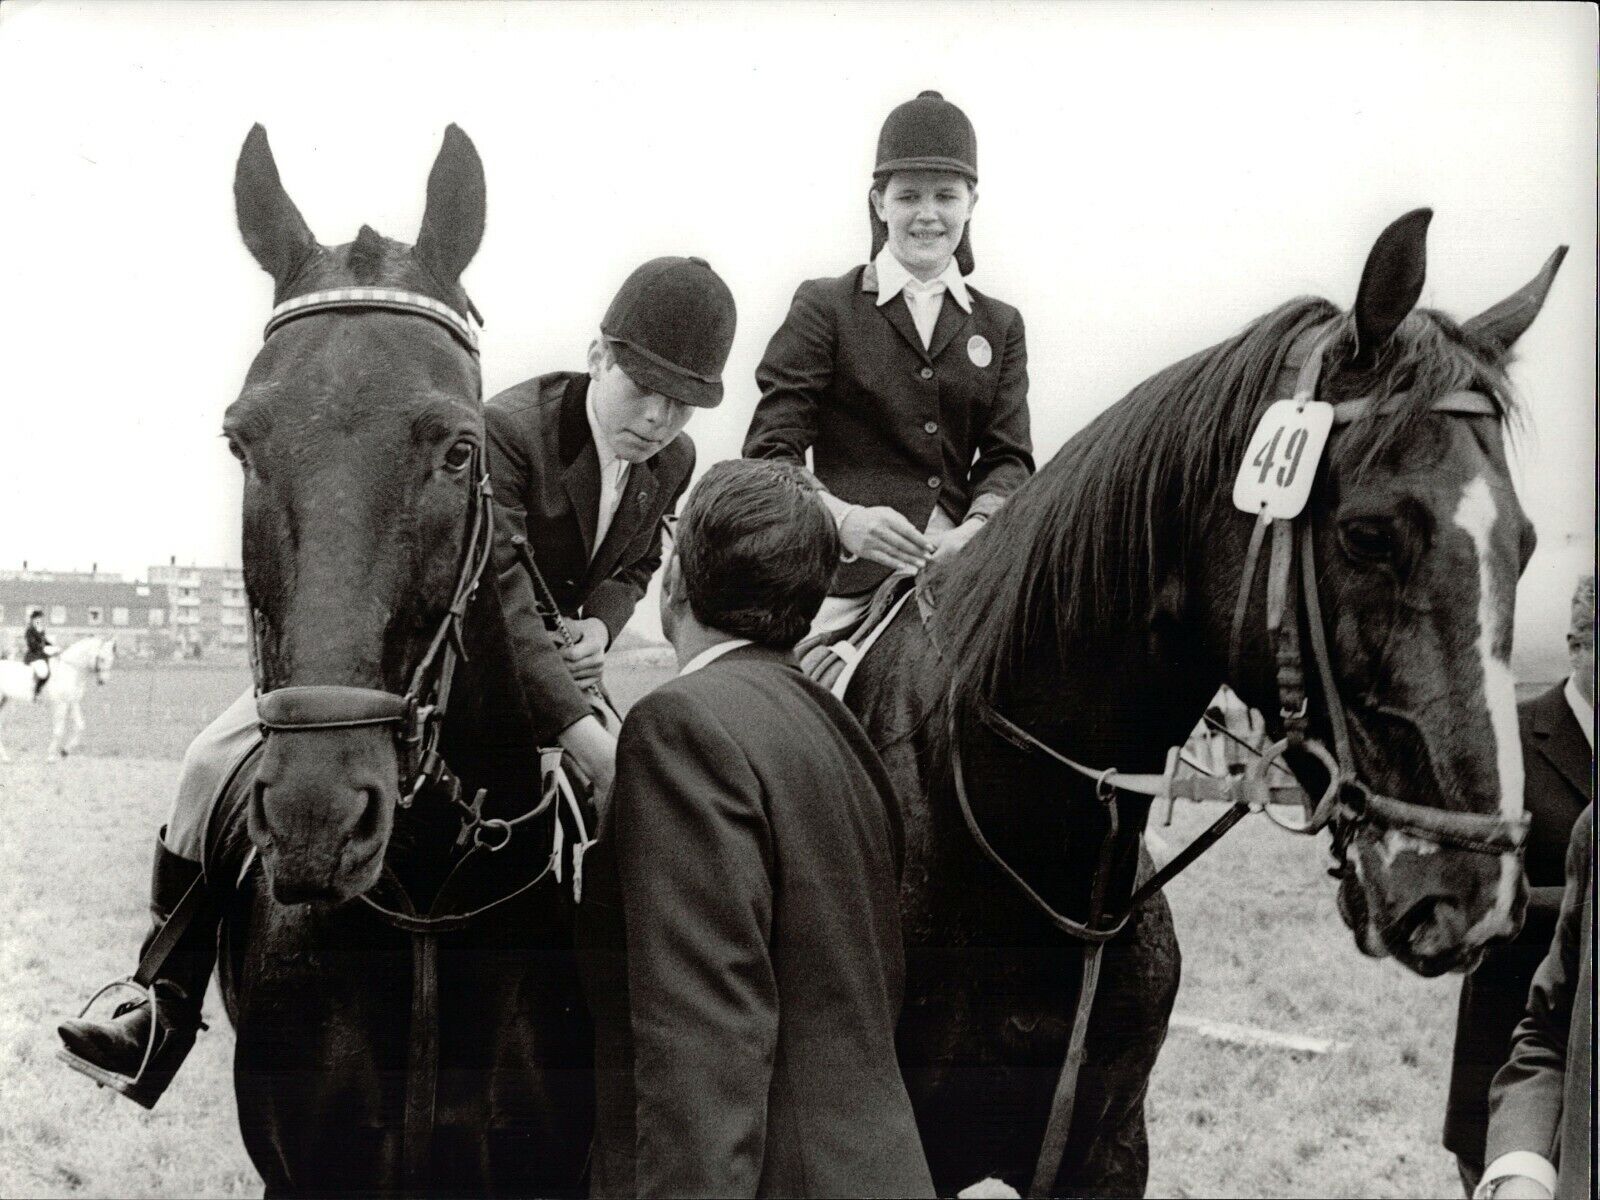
(158, 616)
(58, 614)
(94, 616)
(119, 616)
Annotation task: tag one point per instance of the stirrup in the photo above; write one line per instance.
(129, 1086)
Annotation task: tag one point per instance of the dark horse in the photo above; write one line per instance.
(1096, 613)
(387, 1053)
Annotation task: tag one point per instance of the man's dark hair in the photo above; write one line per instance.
(757, 549)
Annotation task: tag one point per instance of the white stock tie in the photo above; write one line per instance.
(612, 480)
(924, 300)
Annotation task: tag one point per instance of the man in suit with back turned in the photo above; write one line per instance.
(740, 927)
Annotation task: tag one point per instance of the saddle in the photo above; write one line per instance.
(831, 657)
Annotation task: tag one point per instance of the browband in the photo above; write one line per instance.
(392, 299)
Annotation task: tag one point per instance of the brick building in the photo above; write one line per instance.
(208, 609)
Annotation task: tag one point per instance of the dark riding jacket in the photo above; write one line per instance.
(887, 421)
(38, 645)
(545, 472)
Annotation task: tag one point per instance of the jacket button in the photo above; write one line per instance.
(931, 427)
(933, 481)
(926, 372)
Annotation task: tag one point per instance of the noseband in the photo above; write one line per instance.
(417, 716)
(1346, 804)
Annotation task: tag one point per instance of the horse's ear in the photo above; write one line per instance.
(1391, 283)
(1507, 321)
(452, 224)
(273, 228)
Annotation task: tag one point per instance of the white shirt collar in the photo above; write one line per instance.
(711, 654)
(893, 279)
(602, 446)
(1584, 713)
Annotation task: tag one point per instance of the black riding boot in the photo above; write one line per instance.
(111, 1052)
(38, 684)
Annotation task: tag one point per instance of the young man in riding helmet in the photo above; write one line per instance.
(584, 466)
(908, 386)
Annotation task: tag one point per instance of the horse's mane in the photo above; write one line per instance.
(1085, 545)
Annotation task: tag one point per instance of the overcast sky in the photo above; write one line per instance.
(1153, 177)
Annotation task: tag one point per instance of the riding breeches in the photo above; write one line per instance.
(207, 763)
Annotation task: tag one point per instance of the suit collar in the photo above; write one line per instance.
(639, 490)
(574, 433)
(581, 474)
(754, 653)
(1556, 736)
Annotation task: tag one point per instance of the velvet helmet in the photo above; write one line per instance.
(925, 134)
(671, 327)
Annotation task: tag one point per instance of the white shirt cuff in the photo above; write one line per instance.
(840, 510)
(1518, 1162)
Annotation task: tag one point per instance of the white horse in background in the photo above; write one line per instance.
(69, 676)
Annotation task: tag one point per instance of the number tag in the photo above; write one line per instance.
(1281, 463)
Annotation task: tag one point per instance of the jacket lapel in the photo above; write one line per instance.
(634, 509)
(953, 319)
(1558, 738)
(581, 476)
(896, 312)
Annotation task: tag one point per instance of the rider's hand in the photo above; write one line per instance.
(950, 541)
(884, 536)
(586, 657)
(596, 753)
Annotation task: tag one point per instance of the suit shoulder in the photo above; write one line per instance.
(830, 290)
(1551, 702)
(529, 399)
(999, 311)
(677, 709)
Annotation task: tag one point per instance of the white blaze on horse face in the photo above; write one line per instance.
(1476, 515)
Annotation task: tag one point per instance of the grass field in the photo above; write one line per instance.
(1262, 947)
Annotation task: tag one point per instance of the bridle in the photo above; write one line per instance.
(417, 716)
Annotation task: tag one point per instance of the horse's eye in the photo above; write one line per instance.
(459, 455)
(1367, 540)
(237, 451)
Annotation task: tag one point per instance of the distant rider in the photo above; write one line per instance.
(40, 650)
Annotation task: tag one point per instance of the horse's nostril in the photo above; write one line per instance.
(1434, 926)
(370, 824)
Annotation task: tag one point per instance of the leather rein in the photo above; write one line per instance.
(1346, 804)
(417, 715)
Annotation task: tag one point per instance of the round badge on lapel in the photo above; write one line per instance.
(979, 350)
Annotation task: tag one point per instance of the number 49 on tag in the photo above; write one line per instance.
(1281, 462)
